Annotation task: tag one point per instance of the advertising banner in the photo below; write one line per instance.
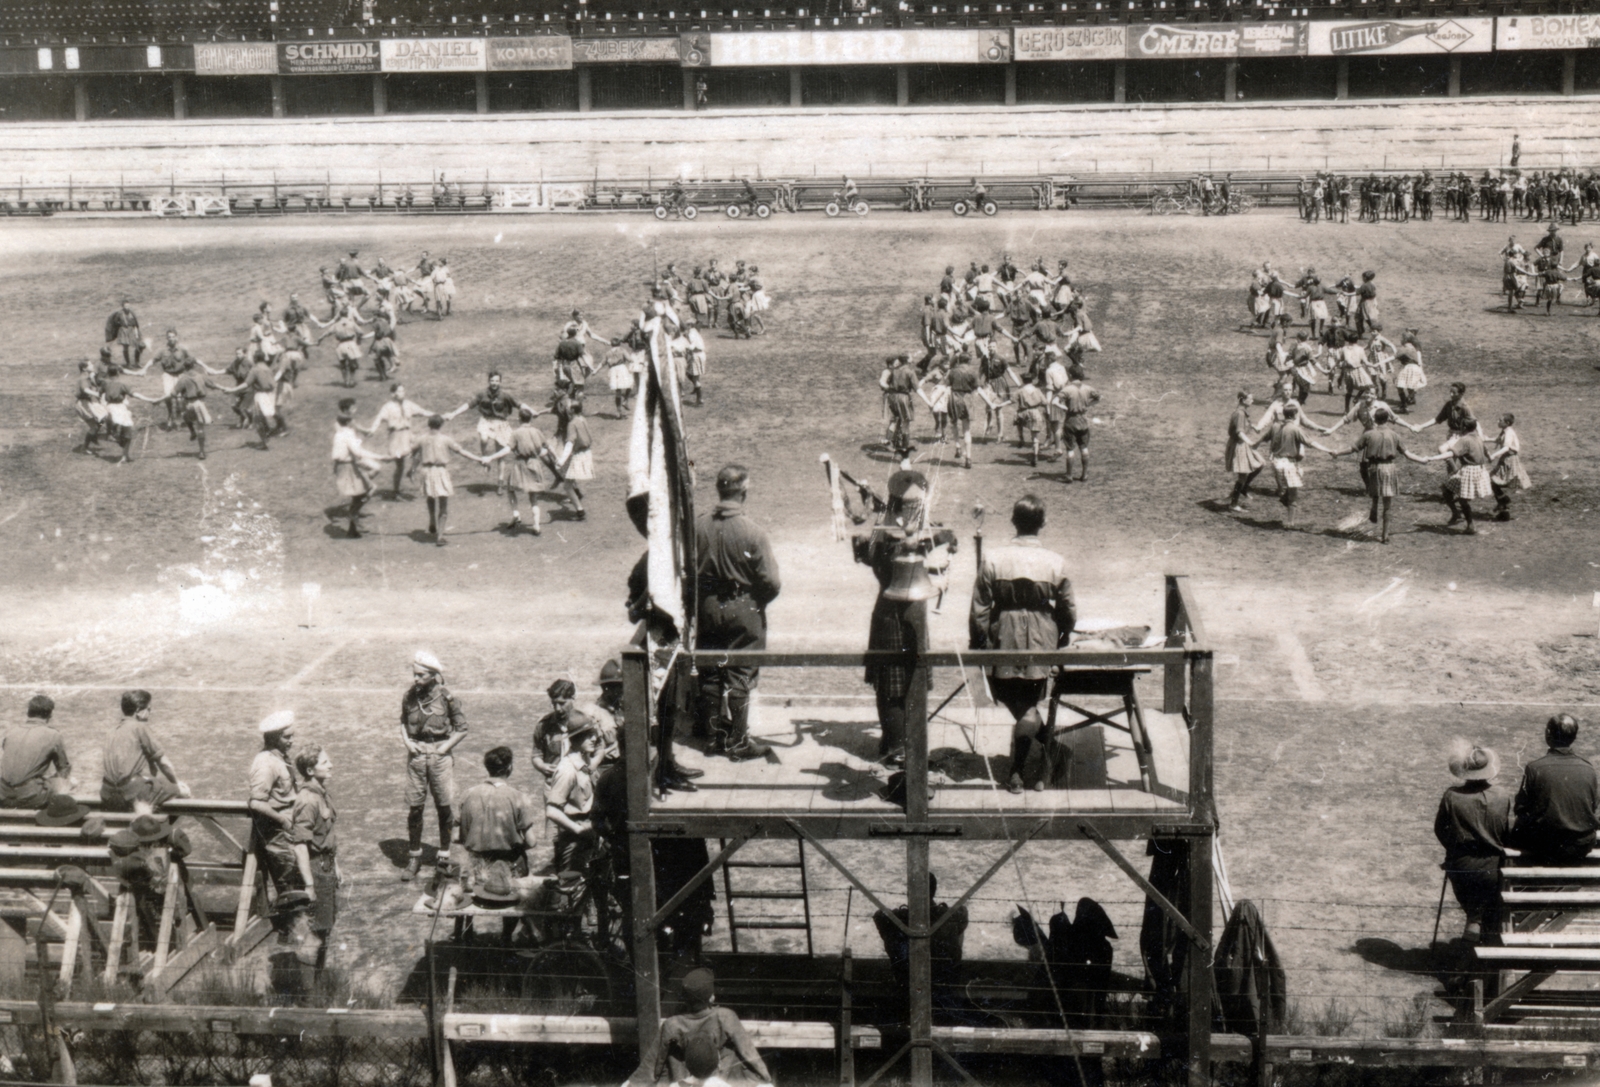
(542, 52)
(624, 50)
(1070, 42)
(1547, 32)
(1390, 37)
(235, 58)
(433, 54)
(1160, 40)
(809, 47)
(327, 58)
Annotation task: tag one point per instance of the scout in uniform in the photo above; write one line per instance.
(33, 759)
(431, 725)
(316, 846)
(433, 455)
(272, 793)
(529, 451)
(132, 765)
(395, 416)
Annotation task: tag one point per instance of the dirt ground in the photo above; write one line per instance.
(1344, 665)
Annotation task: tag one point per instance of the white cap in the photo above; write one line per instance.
(260, 1079)
(427, 660)
(276, 722)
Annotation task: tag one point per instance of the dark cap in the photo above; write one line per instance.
(41, 705)
(699, 985)
(731, 478)
(904, 480)
(582, 731)
(610, 672)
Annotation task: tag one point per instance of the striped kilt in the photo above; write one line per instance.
(526, 475)
(961, 411)
(1471, 482)
(1319, 310)
(195, 412)
(1411, 376)
(897, 626)
(1287, 472)
(1383, 480)
(1241, 458)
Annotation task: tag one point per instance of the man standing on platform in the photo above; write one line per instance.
(431, 725)
(1556, 805)
(498, 822)
(272, 793)
(1022, 600)
(133, 765)
(33, 759)
(738, 578)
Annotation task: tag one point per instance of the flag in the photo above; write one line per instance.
(660, 477)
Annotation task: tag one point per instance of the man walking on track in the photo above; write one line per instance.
(431, 725)
(133, 764)
(1022, 600)
(738, 578)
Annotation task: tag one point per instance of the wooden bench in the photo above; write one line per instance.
(1552, 927)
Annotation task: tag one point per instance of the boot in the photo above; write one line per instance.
(413, 866)
(740, 746)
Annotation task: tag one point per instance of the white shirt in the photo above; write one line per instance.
(396, 415)
(347, 446)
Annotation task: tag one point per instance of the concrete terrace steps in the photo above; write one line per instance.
(1351, 136)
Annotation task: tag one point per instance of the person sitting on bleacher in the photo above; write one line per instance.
(945, 947)
(133, 765)
(33, 759)
(738, 1061)
(1473, 824)
(1556, 805)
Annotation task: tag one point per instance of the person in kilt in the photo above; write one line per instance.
(1379, 448)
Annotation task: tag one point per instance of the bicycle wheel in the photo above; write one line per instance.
(691, 212)
(990, 207)
(755, 326)
(566, 981)
(763, 211)
(959, 208)
(860, 207)
(832, 209)
(734, 211)
(1242, 204)
(661, 211)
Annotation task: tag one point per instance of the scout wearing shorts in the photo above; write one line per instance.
(496, 408)
(1077, 398)
(431, 725)
(433, 454)
(395, 416)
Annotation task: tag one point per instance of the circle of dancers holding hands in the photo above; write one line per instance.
(262, 378)
(1002, 337)
(1344, 349)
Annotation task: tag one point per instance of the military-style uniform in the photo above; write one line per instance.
(738, 578)
(430, 716)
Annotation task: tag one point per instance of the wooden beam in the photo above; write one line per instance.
(241, 943)
(215, 829)
(1202, 944)
(1517, 989)
(69, 952)
(694, 882)
(849, 875)
(247, 891)
(279, 1022)
(1017, 844)
(119, 932)
(169, 909)
(977, 658)
(967, 825)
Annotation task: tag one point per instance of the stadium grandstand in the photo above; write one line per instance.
(150, 59)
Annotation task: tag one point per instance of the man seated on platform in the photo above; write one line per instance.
(496, 821)
(33, 759)
(945, 946)
(738, 1062)
(134, 769)
(1556, 805)
(1022, 600)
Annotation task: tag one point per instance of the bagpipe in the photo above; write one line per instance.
(921, 550)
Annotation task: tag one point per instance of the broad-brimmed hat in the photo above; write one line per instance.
(123, 844)
(62, 810)
(496, 888)
(150, 828)
(610, 672)
(1470, 762)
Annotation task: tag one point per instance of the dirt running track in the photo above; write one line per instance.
(1345, 665)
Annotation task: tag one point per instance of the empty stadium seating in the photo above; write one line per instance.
(44, 21)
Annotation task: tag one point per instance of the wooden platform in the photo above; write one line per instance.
(823, 762)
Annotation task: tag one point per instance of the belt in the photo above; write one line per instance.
(1381, 460)
(723, 590)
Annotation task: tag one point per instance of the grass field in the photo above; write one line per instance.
(1344, 665)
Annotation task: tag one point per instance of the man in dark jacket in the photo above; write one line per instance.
(1556, 805)
(738, 578)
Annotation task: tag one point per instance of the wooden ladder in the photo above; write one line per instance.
(737, 924)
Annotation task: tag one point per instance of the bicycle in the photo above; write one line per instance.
(836, 205)
(975, 202)
(675, 203)
(577, 968)
(1164, 203)
(747, 206)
